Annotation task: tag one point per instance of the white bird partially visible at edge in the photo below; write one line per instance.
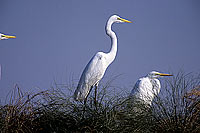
(3, 37)
(146, 88)
(0, 71)
(97, 66)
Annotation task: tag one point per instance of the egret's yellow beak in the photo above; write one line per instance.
(7, 36)
(164, 74)
(124, 20)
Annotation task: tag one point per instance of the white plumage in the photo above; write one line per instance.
(97, 66)
(148, 87)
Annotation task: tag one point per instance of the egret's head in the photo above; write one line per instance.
(2, 36)
(117, 19)
(155, 74)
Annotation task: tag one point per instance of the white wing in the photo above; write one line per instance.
(156, 86)
(91, 75)
(143, 90)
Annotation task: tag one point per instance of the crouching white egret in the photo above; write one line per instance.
(97, 66)
(146, 88)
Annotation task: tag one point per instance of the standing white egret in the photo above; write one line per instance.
(2, 36)
(97, 66)
(146, 88)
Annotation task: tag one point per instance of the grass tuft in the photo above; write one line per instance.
(176, 109)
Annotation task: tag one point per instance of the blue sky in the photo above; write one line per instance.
(56, 39)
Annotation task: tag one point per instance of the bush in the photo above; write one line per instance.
(176, 109)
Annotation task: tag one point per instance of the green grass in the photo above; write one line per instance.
(177, 109)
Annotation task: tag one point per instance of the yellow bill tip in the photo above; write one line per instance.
(124, 20)
(7, 36)
(164, 74)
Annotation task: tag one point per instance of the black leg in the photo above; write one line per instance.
(95, 96)
(85, 101)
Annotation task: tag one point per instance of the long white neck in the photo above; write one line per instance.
(113, 51)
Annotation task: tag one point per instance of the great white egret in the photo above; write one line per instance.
(2, 36)
(146, 88)
(97, 66)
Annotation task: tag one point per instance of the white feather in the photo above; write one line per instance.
(97, 66)
(148, 87)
